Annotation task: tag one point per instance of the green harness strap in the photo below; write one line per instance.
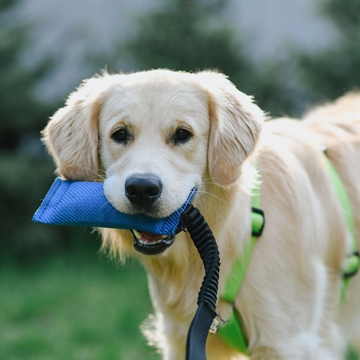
(352, 261)
(230, 331)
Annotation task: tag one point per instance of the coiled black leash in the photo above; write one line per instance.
(204, 240)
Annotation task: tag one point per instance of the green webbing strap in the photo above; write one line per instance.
(352, 261)
(231, 331)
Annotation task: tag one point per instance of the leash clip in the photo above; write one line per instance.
(258, 222)
(214, 327)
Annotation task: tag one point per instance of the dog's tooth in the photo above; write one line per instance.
(137, 234)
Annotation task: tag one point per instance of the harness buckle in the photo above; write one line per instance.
(352, 265)
(258, 222)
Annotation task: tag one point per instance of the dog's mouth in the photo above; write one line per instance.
(151, 244)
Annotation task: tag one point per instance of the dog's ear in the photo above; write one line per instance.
(71, 136)
(235, 124)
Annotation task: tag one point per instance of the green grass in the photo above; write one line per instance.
(81, 308)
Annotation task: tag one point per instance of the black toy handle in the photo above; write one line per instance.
(205, 243)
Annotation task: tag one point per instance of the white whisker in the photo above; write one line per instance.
(96, 176)
(211, 194)
(210, 181)
(216, 221)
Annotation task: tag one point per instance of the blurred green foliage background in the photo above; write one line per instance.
(59, 298)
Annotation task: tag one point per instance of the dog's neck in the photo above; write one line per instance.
(175, 277)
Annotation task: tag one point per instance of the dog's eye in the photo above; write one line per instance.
(182, 136)
(120, 136)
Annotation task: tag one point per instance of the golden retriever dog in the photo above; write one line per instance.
(152, 136)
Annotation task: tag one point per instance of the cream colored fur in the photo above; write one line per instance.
(289, 300)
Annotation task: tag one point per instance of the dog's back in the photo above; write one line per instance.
(333, 128)
(337, 126)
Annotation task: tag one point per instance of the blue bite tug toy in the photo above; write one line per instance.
(79, 203)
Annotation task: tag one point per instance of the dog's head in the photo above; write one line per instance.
(153, 136)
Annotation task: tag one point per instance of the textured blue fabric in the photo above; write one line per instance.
(80, 203)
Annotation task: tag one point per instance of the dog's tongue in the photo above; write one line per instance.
(151, 237)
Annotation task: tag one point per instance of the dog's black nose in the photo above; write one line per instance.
(143, 190)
